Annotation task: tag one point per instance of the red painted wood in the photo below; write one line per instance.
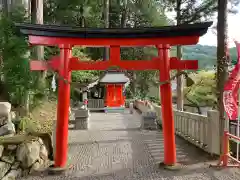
(122, 95)
(76, 64)
(63, 110)
(36, 65)
(106, 96)
(167, 110)
(115, 55)
(110, 94)
(114, 97)
(118, 94)
(53, 63)
(175, 63)
(55, 41)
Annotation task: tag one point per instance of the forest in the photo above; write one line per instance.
(206, 55)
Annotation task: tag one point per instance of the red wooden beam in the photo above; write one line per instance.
(76, 64)
(55, 41)
(36, 65)
(154, 64)
(175, 63)
(115, 54)
(53, 63)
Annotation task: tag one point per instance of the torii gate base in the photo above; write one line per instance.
(66, 38)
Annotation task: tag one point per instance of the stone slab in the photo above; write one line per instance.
(5, 108)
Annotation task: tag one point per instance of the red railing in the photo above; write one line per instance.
(226, 156)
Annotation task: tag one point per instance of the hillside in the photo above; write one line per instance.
(205, 54)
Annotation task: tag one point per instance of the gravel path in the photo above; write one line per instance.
(114, 148)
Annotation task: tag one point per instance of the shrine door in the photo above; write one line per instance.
(114, 95)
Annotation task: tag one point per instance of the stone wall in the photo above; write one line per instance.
(21, 154)
(22, 159)
(6, 125)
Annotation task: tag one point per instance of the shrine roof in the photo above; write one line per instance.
(197, 29)
(114, 78)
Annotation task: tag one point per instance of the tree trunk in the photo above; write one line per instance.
(124, 14)
(134, 77)
(134, 84)
(37, 18)
(180, 97)
(222, 62)
(36, 9)
(123, 25)
(82, 20)
(180, 79)
(106, 25)
(17, 3)
(5, 6)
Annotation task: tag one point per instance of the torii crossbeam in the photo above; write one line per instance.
(76, 64)
(160, 37)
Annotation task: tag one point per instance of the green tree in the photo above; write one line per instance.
(123, 13)
(203, 91)
(15, 71)
(222, 61)
(189, 12)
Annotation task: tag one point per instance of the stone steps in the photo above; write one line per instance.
(114, 109)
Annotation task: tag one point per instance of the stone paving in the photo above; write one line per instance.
(114, 148)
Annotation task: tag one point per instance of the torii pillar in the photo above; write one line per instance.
(63, 102)
(167, 109)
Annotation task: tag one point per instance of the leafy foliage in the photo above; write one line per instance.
(28, 125)
(14, 51)
(89, 13)
(193, 11)
(84, 76)
(203, 92)
(206, 55)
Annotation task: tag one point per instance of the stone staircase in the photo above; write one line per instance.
(114, 109)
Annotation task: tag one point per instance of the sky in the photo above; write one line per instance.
(233, 31)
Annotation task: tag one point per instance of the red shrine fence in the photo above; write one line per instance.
(202, 131)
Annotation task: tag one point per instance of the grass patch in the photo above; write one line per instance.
(40, 120)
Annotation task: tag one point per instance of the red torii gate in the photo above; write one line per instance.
(66, 37)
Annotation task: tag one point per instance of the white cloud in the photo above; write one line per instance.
(211, 39)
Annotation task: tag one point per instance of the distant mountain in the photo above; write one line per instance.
(205, 54)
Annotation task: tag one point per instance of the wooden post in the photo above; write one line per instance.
(63, 108)
(180, 85)
(213, 136)
(167, 110)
